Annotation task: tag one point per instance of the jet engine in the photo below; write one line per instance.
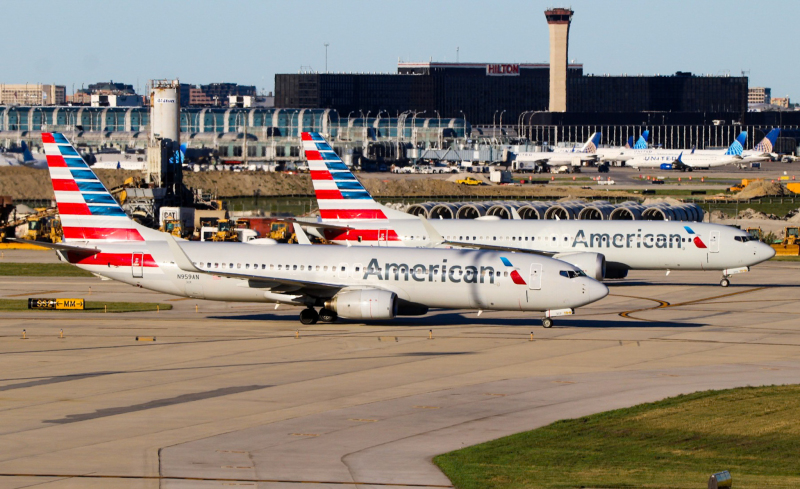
(592, 264)
(364, 304)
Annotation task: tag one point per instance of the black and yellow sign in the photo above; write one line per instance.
(59, 304)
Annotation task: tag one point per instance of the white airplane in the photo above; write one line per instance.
(602, 249)
(619, 153)
(26, 158)
(563, 156)
(685, 160)
(355, 283)
(763, 150)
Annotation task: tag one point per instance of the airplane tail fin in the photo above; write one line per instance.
(592, 144)
(768, 143)
(89, 213)
(629, 144)
(340, 196)
(641, 143)
(27, 156)
(737, 146)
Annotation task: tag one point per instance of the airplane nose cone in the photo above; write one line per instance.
(764, 252)
(597, 290)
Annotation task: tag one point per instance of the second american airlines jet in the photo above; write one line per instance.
(355, 283)
(602, 249)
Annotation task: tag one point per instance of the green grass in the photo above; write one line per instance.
(675, 443)
(42, 270)
(10, 305)
(785, 258)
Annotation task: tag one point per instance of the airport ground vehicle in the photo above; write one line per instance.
(790, 244)
(349, 282)
(469, 181)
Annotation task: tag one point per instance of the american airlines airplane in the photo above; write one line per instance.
(602, 249)
(354, 283)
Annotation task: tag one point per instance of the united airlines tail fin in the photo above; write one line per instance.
(641, 143)
(629, 144)
(340, 196)
(592, 144)
(27, 156)
(737, 146)
(89, 213)
(768, 143)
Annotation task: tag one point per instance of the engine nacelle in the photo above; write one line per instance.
(592, 264)
(364, 304)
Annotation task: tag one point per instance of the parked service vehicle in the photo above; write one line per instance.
(469, 181)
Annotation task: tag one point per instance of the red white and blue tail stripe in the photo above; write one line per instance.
(340, 196)
(89, 213)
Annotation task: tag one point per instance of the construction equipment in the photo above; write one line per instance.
(756, 233)
(790, 244)
(173, 227)
(282, 232)
(226, 231)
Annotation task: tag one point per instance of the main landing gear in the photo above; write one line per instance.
(310, 316)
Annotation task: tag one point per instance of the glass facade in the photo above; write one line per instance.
(482, 92)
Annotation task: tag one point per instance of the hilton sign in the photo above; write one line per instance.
(502, 70)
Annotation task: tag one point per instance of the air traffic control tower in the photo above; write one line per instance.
(558, 19)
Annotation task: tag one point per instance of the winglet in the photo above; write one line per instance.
(183, 261)
(435, 238)
(302, 238)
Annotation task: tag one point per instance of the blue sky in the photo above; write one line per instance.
(248, 41)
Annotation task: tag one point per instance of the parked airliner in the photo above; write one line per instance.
(602, 249)
(349, 282)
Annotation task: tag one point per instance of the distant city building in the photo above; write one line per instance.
(109, 87)
(32, 94)
(213, 94)
(758, 95)
(100, 100)
(490, 93)
(243, 101)
(781, 102)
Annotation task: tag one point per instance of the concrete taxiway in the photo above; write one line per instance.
(241, 394)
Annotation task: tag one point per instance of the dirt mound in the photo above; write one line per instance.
(664, 200)
(793, 216)
(761, 189)
(752, 214)
(248, 183)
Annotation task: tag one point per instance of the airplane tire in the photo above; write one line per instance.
(327, 316)
(308, 316)
(724, 282)
(547, 322)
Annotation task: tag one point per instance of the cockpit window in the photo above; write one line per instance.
(745, 239)
(572, 273)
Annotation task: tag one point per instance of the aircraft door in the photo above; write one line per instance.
(137, 265)
(535, 279)
(342, 270)
(713, 242)
(383, 237)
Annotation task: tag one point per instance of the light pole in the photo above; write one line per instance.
(501, 122)
(464, 118)
(326, 57)
(494, 122)
(438, 129)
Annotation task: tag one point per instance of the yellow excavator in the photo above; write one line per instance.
(790, 244)
(226, 231)
(173, 227)
(282, 232)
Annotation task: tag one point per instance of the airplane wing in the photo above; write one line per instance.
(275, 284)
(58, 246)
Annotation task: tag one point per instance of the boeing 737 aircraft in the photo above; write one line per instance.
(619, 154)
(602, 249)
(763, 150)
(564, 156)
(685, 160)
(355, 283)
(26, 159)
